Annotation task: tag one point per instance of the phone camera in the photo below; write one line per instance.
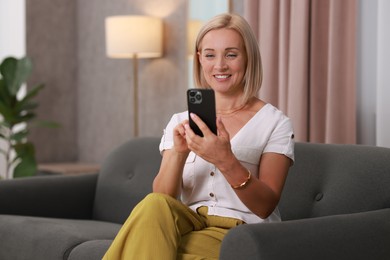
(195, 97)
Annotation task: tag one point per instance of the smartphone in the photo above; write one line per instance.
(202, 103)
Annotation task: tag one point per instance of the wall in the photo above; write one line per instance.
(52, 46)
(373, 108)
(366, 81)
(105, 85)
(90, 94)
(383, 88)
(13, 38)
(12, 41)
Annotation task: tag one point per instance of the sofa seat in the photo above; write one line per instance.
(90, 250)
(57, 236)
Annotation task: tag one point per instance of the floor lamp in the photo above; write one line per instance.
(134, 37)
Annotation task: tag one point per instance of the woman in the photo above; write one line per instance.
(207, 185)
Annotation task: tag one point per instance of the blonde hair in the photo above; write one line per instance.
(254, 71)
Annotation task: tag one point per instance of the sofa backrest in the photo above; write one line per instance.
(125, 178)
(326, 179)
(329, 179)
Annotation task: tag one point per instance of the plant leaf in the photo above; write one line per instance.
(7, 113)
(4, 128)
(27, 167)
(33, 92)
(24, 149)
(24, 118)
(25, 103)
(26, 106)
(19, 136)
(4, 94)
(48, 124)
(15, 72)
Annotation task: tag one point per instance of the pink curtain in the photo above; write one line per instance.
(308, 51)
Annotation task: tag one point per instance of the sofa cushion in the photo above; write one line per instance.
(330, 179)
(357, 236)
(125, 178)
(90, 250)
(48, 238)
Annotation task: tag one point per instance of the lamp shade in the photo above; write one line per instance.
(127, 36)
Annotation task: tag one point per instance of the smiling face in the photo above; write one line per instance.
(223, 60)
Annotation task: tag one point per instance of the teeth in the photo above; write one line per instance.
(221, 76)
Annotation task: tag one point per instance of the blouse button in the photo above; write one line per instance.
(211, 173)
(211, 194)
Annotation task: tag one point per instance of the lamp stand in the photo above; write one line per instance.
(135, 95)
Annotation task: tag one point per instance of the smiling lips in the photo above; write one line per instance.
(222, 76)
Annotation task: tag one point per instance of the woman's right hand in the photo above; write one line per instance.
(179, 138)
(169, 177)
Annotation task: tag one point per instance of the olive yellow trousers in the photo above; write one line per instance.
(162, 228)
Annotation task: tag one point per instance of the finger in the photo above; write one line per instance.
(202, 125)
(182, 130)
(179, 129)
(182, 127)
(182, 123)
(192, 139)
(188, 130)
(190, 135)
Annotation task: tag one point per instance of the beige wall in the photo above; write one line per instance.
(52, 46)
(90, 94)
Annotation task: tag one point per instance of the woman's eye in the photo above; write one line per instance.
(231, 55)
(209, 55)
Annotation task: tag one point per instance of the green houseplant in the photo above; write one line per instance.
(16, 114)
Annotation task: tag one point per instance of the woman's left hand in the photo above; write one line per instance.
(213, 148)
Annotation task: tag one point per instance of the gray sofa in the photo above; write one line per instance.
(335, 205)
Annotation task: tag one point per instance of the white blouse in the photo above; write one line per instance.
(269, 130)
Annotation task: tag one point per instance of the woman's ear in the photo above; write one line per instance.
(199, 56)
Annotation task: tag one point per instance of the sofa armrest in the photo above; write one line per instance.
(363, 235)
(49, 196)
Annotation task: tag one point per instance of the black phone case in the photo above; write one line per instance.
(202, 103)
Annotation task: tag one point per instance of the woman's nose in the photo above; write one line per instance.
(221, 64)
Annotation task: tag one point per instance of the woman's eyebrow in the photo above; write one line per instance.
(227, 49)
(232, 48)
